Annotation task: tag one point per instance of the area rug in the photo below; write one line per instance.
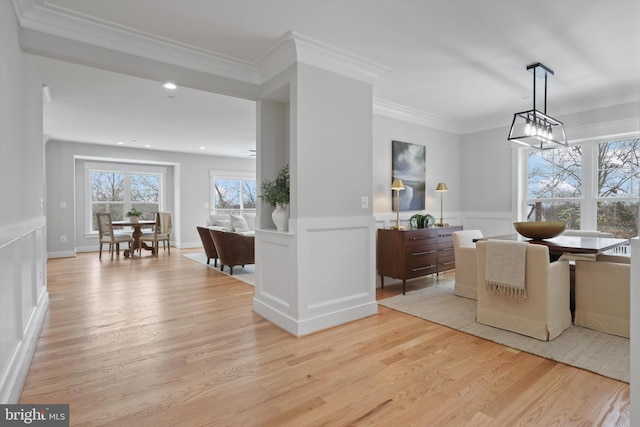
(604, 354)
(245, 274)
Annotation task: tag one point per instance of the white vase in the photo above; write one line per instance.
(280, 217)
(134, 218)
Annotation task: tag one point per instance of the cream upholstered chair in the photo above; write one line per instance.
(161, 233)
(464, 249)
(602, 291)
(545, 313)
(109, 236)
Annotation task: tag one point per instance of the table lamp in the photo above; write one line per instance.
(441, 188)
(396, 186)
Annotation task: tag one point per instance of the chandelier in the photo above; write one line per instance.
(533, 128)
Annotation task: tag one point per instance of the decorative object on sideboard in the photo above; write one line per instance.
(540, 230)
(533, 128)
(418, 221)
(134, 215)
(276, 194)
(397, 186)
(441, 188)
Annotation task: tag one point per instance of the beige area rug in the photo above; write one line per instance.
(604, 354)
(245, 274)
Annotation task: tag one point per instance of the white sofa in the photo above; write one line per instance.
(242, 224)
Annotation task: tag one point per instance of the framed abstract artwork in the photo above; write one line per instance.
(409, 165)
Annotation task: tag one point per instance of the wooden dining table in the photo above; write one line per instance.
(560, 245)
(137, 232)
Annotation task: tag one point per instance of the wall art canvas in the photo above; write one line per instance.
(409, 164)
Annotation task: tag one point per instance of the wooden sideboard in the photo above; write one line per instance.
(406, 254)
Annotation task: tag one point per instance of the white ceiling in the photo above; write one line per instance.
(462, 61)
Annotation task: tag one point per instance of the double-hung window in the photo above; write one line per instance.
(233, 193)
(119, 188)
(593, 185)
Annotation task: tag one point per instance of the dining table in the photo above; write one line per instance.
(561, 245)
(137, 232)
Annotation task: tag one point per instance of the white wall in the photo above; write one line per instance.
(23, 293)
(187, 190)
(443, 165)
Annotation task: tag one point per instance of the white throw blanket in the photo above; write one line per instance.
(505, 268)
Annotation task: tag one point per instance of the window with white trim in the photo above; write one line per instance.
(232, 193)
(594, 185)
(116, 189)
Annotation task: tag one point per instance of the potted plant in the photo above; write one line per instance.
(421, 221)
(134, 215)
(276, 194)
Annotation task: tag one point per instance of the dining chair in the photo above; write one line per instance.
(108, 236)
(544, 313)
(464, 250)
(161, 233)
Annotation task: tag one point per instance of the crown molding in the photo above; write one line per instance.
(408, 114)
(294, 47)
(40, 16)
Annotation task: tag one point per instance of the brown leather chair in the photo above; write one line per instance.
(233, 249)
(209, 246)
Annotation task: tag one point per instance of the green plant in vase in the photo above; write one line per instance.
(421, 221)
(134, 215)
(276, 193)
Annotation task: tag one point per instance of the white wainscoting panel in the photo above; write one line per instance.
(23, 302)
(635, 331)
(319, 275)
(490, 223)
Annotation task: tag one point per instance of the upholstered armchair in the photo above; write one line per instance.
(464, 249)
(602, 294)
(233, 248)
(544, 313)
(208, 245)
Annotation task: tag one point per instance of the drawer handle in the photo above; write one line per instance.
(423, 268)
(446, 249)
(448, 263)
(423, 238)
(422, 253)
(444, 235)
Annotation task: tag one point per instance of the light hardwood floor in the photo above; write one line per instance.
(169, 342)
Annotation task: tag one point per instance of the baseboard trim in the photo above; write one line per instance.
(13, 379)
(303, 327)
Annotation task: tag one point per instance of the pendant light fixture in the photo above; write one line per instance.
(534, 128)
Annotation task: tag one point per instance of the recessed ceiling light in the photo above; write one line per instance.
(202, 148)
(120, 143)
(147, 146)
(170, 85)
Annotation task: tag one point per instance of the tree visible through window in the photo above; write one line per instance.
(118, 192)
(232, 195)
(556, 192)
(618, 187)
(555, 186)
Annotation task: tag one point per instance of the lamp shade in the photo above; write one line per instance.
(397, 184)
(441, 187)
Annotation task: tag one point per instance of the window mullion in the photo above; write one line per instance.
(588, 218)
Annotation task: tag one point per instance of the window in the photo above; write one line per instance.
(233, 194)
(618, 187)
(594, 185)
(117, 191)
